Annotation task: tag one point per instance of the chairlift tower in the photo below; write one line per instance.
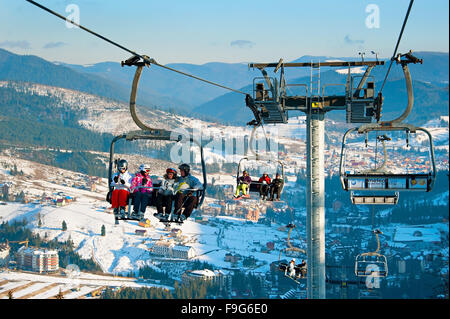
(272, 105)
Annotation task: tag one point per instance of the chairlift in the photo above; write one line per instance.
(255, 185)
(143, 135)
(300, 270)
(373, 263)
(381, 179)
(149, 133)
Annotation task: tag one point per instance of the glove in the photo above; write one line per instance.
(122, 181)
(116, 179)
(144, 181)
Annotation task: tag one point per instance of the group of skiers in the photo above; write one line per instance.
(174, 189)
(296, 272)
(266, 186)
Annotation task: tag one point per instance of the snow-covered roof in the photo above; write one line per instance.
(411, 234)
(203, 273)
(182, 248)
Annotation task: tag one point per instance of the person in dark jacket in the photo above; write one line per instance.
(264, 187)
(243, 185)
(276, 187)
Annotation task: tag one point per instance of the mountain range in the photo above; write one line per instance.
(162, 89)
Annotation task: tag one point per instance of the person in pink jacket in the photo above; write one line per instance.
(141, 188)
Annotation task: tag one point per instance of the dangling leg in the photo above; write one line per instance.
(179, 198)
(115, 204)
(238, 190)
(189, 207)
(244, 190)
(137, 204)
(123, 201)
(159, 205)
(144, 201)
(168, 204)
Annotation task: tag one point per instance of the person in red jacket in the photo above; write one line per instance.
(264, 185)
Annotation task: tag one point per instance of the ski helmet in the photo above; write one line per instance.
(185, 167)
(122, 164)
(171, 170)
(144, 167)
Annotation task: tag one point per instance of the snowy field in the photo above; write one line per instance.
(122, 251)
(25, 285)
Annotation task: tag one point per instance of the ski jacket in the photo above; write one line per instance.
(291, 265)
(168, 186)
(126, 177)
(266, 179)
(188, 183)
(278, 182)
(245, 180)
(137, 181)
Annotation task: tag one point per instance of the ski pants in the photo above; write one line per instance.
(275, 190)
(140, 201)
(243, 188)
(186, 201)
(119, 198)
(264, 190)
(164, 201)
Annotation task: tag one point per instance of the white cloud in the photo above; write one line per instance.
(243, 44)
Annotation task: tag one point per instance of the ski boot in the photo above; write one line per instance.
(116, 216)
(122, 213)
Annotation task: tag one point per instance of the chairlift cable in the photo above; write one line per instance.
(145, 59)
(398, 43)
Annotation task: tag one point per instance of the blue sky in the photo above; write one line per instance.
(201, 31)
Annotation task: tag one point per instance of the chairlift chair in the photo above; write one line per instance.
(381, 179)
(371, 263)
(163, 136)
(255, 185)
(149, 133)
(300, 272)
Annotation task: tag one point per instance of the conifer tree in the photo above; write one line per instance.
(64, 225)
(60, 294)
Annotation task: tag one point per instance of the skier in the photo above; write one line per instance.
(264, 187)
(302, 273)
(243, 185)
(166, 193)
(121, 181)
(291, 268)
(141, 187)
(185, 190)
(275, 187)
